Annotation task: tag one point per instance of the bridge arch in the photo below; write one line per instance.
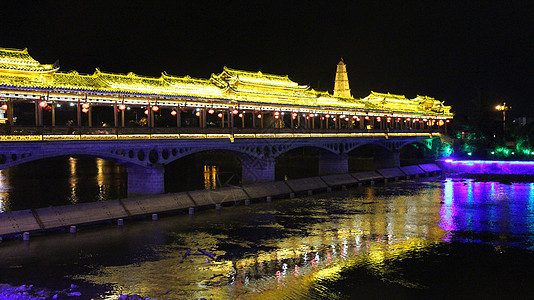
(372, 156)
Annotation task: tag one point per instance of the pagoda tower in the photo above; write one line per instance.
(341, 84)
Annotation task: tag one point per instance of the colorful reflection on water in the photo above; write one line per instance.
(409, 238)
(473, 208)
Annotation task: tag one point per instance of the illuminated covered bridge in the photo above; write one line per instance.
(147, 122)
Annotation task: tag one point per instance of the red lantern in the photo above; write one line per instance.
(197, 114)
(43, 104)
(327, 116)
(3, 107)
(122, 107)
(85, 110)
(85, 105)
(367, 118)
(146, 112)
(378, 119)
(155, 108)
(312, 115)
(211, 111)
(347, 119)
(259, 116)
(240, 115)
(355, 117)
(174, 113)
(388, 120)
(235, 111)
(220, 115)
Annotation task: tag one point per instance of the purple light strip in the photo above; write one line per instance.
(488, 162)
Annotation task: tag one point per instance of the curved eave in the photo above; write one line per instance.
(28, 71)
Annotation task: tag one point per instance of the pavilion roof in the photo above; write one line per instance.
(20, 60)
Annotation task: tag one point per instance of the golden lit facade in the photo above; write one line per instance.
(24, 78)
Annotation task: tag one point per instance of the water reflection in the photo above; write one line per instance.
(61, 181)
(287, 249)
(211, 174)
(472, 209)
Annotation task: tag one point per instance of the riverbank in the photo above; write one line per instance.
(14, 224)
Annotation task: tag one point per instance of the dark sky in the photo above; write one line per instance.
(468, 54)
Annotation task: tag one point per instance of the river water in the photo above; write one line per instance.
(427, 238)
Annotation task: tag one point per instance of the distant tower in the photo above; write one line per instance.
(341, 85)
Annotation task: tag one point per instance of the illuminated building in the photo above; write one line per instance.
(23, 78)
(341, 84)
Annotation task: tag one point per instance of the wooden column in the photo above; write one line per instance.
(115, 114)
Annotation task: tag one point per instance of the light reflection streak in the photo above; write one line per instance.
(73, 180)
(210, 177)
(4, 188)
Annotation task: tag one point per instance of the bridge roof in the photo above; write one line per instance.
(19, 70)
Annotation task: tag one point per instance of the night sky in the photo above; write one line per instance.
(472, 55)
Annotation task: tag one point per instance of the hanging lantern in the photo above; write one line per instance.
(84, 105)
(276, 117)
(441, 123)
(355, 117)
(408, 119)
(276, 113)
(240, 115)
(235, 111)
(447, 121)
(3, 107)
(122, 107)
(174, 113)
(367, 118)
(85, 110)
(398, 120)
(388, 120)
(146, 112)
(322, 118)
(347, 119)
(211, 111)
(43, 104)
(155, 108)
(220, 115)
(327, 116)
(312, 115)
(259, 116)
(197, 114)
(378, 119)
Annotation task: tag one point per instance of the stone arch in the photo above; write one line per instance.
(372, 156)
(415, 152)
(204, 168)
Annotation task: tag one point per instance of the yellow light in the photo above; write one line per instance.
(498, 107)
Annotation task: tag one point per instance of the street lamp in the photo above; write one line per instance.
(503, 108)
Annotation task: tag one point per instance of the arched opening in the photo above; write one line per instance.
(297, 163)
(60, 181)
(203, 170)
(413, 154)
(362, 158)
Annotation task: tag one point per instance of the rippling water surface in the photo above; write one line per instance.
(410, 239)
